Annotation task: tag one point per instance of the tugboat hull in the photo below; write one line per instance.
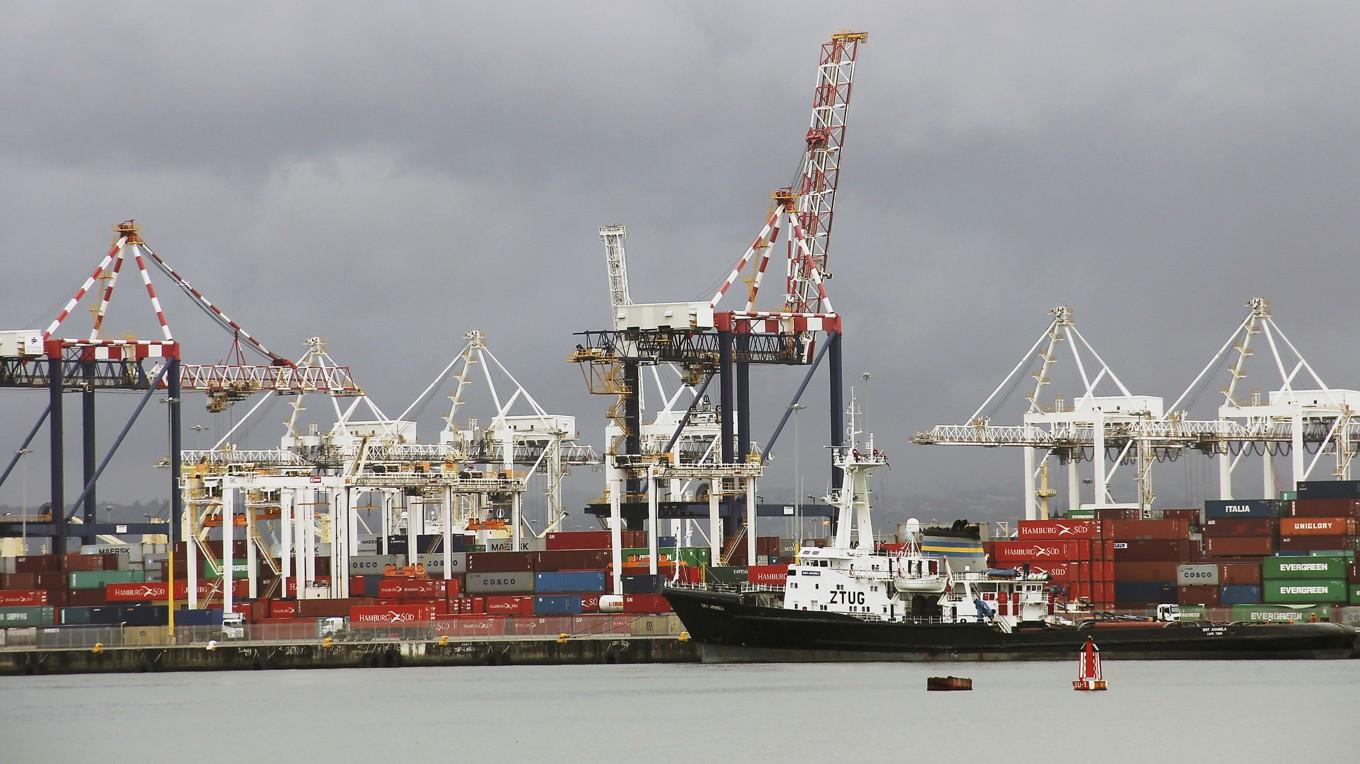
(732, 627)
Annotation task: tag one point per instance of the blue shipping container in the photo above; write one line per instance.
(1217, 508)
(643, 584)
(198, 617)
(665, 542)
(1329, 489)
(589, 581)
(1239, 594)
(145, 615)
(557, 604)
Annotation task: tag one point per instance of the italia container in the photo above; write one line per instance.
(1310, 592)
(1214, 508)
(98, 579)
(557, 604)
(569, 581)
(1281, 613)
(40, 615)
(1303, 568)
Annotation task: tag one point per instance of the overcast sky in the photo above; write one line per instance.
(391, 179)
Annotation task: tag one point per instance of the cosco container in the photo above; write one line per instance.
(569, 581)
(373, 564)
(1302, 591)
(434, 563)
(1241, 508)
(1197, 575)
(1295, 567)
(507, 582)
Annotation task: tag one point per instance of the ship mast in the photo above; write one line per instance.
(852, 498)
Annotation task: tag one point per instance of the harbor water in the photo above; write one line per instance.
(1227, 711)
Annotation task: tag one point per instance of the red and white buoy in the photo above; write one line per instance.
(1089, 675)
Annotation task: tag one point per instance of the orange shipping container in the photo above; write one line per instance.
(1317, 526)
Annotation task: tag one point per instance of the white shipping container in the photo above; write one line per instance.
(373, 564)
(1197, 575)
(434, 563)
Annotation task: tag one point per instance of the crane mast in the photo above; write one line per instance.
(617, 263)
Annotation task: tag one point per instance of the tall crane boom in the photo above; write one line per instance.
(816, 190)
(617, 262)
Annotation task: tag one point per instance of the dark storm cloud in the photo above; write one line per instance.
(390, 179)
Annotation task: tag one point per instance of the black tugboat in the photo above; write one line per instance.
(847, 602)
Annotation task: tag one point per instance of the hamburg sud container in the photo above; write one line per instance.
(1057, 530)
(574, 581)
(390, 616)
(1304, 592)
(1216, 508)
(23, 597)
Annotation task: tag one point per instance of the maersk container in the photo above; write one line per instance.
(1238, 594)
(38, 615)
(1281, 613)
(1295, 568)
(557, 604)
(1301, 591)
(1241, 508)
(590, 581)
(98, 579)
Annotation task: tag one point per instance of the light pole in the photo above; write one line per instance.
(23, 501)
(797, 479)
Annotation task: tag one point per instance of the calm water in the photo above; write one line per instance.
(1155, 712)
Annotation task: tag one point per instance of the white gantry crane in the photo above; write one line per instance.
(1300, 415)
(1084, 431)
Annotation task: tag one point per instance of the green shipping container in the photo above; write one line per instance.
(239, 569)
(1302, 568)
(1304, 592)
(1193, 613)
(1281, 613)
(1289, 495)
(1355, 594)
(98, 579)
(729, 575)
(41, 615)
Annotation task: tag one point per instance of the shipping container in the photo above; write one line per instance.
(645, 603)
(1239, 573)
(86, 597)
(642, 583)
(1220, 508)
(23, 597)
(37, 563)
(1306, 568)
(390, 616)
(1145, 530)
(1144, 592)
(571, 559)
(36, 615)
(513, 582)
(557, 604)
(324, 608)
(208, 617)
(1041, 551)
(1198, 595)
(1329, 489)
(1281, 613)
(1317, 526)
(1354, 590)
(563, 582)
(564, 540)
(1163, 570)
(98, 579)
(373, 564)
(1244, 546)
(1239, 594)
(434, 563)
(1316, 543)
(1148, 551)
(768, 575)
(393, 587)
(1326, 508)
(1197, 574)
(499, 562)
(510, 604)
(1304, 592)
(729, 575)
(1056, 530)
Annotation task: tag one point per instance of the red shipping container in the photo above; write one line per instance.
(645, 603)
(1198, 595)
(1117, 513)
(49, 579)
(1327, 508)
(767, 545)
(384, 616)
(283, 608)
(453, 587)
(509, 605)
(577, 540)
(1036, 551)
(1161, 570)
(1316, 543)
(768, 575)
(291, 590)
(1240, 526)
(1146, 530)
(159, 591)
(482, 626)
(571, 559)
(1057, 530)
(1192, 514)
(1235, 573)
(1150, 551)
(590, 603)
(1057, 571)
(23, 597)
(78, 561)
(1317, 526)
(327, 608)
(1244, 546)
(86, 598)
(356, 586)
(499, 562)
(36, 563)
